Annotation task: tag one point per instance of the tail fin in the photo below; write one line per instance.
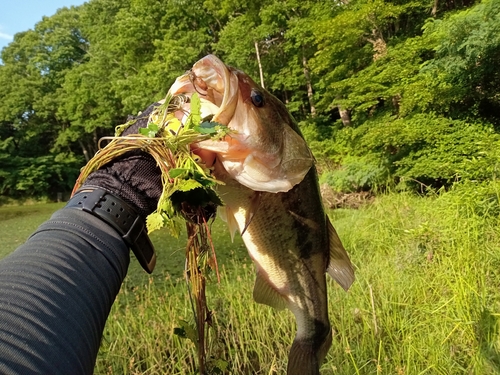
(305, 357)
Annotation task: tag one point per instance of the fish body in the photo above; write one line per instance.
(277, 209)
(288, 242)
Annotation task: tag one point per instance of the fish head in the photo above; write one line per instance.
(264, 149)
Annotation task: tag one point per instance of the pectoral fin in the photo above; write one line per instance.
(339, 267)
(227, 215)
(254, 205)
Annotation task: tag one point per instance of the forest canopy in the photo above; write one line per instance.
(402, 93)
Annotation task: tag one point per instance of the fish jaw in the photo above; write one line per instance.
(214, 82)
(265, 151)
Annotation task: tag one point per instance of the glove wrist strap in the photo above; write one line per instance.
(122, 217)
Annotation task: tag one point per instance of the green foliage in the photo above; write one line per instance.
(357, 174)
(328, 140)
(42, 176)
(416, 83)
(467, 54)
(428, 147)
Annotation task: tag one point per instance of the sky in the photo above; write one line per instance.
(22, 15)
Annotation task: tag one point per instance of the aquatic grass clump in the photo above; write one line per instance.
(168, 141)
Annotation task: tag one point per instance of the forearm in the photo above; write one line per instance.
(56, 292)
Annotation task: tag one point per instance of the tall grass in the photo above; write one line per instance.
(426, 299)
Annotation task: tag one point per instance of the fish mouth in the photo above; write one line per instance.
(184, 87)
(216, 86)
(188, 84)
(217, 90)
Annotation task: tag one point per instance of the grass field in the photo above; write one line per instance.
(18, 222)
(426, 299)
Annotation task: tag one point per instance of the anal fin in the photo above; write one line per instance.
(264, 293)
(339, 267)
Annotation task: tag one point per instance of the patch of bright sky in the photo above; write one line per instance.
(22, 15)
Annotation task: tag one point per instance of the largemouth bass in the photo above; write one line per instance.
(271, 195)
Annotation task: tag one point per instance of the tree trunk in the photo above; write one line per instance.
(379, 44)
(260, 65)
(434, 8)
(309, 86)
(396, 99)
(84, 151)
(345, 116)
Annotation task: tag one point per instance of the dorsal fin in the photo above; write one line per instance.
(339, 266)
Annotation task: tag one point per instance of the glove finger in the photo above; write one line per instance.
(141, 120)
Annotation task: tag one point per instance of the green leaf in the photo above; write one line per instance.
(186, 331)
(195, 109)
(178, 172)
(214, 197)
(220, 366)
(150, 131)
(181, 332)
(208, 128)
(187, 185)
(154, 222)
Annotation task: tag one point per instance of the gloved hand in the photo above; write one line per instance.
(123, 193)
(134, 176)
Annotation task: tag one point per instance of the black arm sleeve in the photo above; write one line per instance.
(56, 293)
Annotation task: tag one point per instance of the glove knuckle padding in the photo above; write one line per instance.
(134, 176)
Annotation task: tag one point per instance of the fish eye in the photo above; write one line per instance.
(257, 98)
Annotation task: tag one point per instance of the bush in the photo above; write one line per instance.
(421, 150)
(357, 174)
(42, 176)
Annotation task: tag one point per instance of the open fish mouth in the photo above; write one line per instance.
(263, 151)
(213, 102)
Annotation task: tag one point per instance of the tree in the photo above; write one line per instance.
(360, 76)
(355, 36)
(466, 61)
(34, 67)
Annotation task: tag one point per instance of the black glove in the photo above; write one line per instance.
(134, 177)
(123, 193)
